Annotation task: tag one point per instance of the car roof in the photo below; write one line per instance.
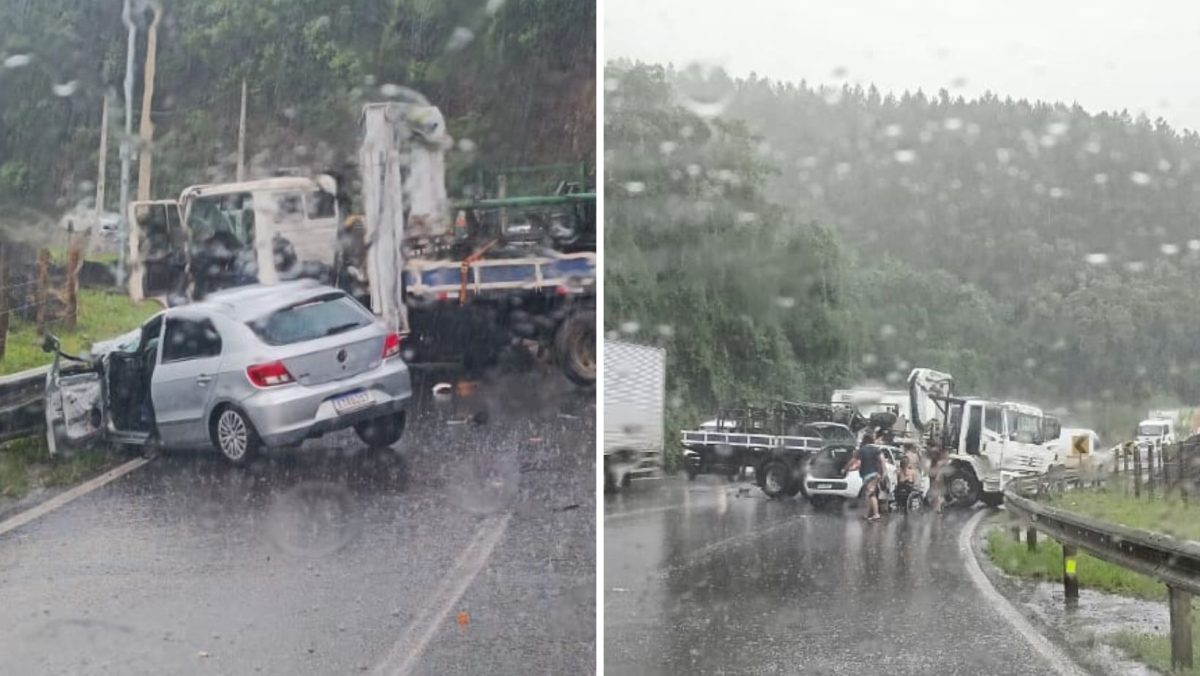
(248, 302)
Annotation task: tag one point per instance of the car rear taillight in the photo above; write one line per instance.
(269, 375)
(391, 346)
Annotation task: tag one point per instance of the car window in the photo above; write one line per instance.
(190, 339)
(323, 316)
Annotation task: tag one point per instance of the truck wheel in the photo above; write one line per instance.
(962, 488)
(777, 479)
(575, 348)
(691, 473)
(382, 431)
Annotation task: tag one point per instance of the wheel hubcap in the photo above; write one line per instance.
(232, 435)
(772, 482)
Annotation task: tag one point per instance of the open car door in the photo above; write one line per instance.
(74, 403)
(157, 250)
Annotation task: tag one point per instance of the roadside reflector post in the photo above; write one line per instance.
(1031, 538)
(1070, 581)
(1181, 628)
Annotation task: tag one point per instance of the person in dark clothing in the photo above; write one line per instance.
(868, 460)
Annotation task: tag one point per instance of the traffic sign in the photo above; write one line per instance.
(1080, 445)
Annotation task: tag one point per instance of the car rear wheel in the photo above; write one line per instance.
(382, 431)
(235, 437)
(820, 501)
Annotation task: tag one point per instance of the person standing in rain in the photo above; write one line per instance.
(868, 460)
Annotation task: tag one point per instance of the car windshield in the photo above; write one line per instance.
(323, 316)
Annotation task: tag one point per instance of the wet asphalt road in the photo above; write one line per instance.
(325, 560)
(706, 578)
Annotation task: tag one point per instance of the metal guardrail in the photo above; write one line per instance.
(1175, 563)
(22, 403)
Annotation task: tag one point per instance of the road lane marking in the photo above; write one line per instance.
(1050, 652)
(407, 651)
(69, 495)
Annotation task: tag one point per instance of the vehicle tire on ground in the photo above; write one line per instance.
(777, 480)
(382, 431)
(992, 499)
(820, 501)
(962, 487)
(691, 472)
(234, 436)
(915, 503)
(575, 347)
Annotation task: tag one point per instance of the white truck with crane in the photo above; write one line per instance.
(461, 290)
(985, 442)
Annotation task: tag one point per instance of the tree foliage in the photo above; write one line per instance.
(1034, 250)
(514, 78)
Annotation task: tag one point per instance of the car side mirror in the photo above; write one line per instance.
(50, 343)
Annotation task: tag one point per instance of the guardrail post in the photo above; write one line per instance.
(1070, 581)
(1150, 470)
(1031, 538)
(1181, 628)
(42, 290)
(1137, 473)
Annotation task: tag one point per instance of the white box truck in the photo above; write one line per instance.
(635, 381)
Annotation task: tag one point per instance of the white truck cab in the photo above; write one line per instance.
(992, 442)
(1155, 432)
(219, 235)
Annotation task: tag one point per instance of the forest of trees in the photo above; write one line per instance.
(515, 79)
(796, 238)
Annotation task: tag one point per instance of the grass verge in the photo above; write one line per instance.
(1166, 515)
(25, 464)
(1045, 563)
(102, 315)
(1154, 649)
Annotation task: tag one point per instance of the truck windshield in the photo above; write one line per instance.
(1150, 429)
(323, 316)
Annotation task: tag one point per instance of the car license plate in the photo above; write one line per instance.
(824, 486)
(351, 402)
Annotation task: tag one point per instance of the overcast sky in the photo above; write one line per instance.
(1101, 53)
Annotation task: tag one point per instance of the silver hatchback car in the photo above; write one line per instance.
(249, 367)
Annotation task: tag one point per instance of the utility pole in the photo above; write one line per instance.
(241, 165)
(127, 149)
(103, 161)
(146, 129)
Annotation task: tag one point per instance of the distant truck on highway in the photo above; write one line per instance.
(635, 381)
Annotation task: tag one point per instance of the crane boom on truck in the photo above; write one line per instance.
(987, 442)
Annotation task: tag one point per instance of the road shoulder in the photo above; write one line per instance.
(1040, 605)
